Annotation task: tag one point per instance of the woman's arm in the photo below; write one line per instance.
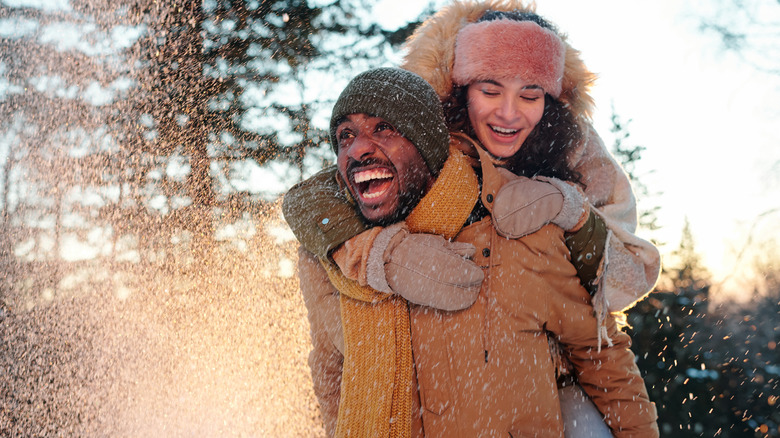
(613, 263)
(631, 265)
(320, 215)
(424, 269)
(328, 225)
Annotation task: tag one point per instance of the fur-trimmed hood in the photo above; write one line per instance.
(430, 51)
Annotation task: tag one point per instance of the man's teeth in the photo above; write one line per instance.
(373, 183)
(368, 195)
(368, 175)
(501, 130)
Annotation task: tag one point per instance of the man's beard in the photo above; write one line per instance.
(406, 203)
(407, 199)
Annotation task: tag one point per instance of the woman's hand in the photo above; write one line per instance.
(425, 269)
(524, 205)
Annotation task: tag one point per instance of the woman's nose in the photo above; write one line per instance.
(507, 108)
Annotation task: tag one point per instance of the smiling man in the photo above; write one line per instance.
(388, 130)
(379, 157)
(382, 169)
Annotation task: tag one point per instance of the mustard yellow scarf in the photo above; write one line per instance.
(377, 375)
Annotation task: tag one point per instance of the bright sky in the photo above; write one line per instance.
(704, 116)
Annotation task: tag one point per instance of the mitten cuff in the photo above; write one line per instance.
(375, 267)
(575, 210)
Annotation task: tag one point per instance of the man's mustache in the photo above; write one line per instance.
(353, 164)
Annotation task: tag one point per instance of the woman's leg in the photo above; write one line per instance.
(581, 419)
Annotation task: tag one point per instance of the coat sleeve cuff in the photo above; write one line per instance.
(320, 214)
(575, 210)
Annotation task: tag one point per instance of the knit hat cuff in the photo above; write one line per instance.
(508, 48)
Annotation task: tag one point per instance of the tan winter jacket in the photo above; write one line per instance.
(487, 370)
(631, 265)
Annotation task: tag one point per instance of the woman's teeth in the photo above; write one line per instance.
(503, 131)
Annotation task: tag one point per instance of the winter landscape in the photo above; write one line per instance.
(148, 280)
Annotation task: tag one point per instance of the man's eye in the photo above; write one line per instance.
(345, 134)
(384, 126)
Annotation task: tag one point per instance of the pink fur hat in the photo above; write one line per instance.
(506, 48)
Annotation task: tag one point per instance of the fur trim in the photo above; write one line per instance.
(492, 50)
(375, 266)
(575, 210)
(430, 52)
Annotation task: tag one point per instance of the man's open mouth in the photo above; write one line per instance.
(372, 183)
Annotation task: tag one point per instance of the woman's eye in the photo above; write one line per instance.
(490, 92)
(532, 94)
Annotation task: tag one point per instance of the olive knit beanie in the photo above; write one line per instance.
(403, 99)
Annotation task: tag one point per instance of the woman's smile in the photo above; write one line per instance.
(503, 113)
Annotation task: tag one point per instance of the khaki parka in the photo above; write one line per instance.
(487, 370)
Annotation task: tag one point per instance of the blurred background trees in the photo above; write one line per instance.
(710, 364)
(142, 131)
(143, 149)
(748, 28)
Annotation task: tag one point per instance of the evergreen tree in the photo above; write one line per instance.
(746, 352)
(224, 91)
(628, 156)
(668, 331)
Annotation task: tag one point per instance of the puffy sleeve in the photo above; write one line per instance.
(319, 213)
(326, 357)
(631, 265)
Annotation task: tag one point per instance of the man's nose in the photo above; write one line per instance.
(362, 147)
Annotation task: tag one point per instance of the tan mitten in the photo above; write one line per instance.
(524, 205)
(425, 269)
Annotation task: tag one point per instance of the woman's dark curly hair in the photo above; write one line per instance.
(546, 149)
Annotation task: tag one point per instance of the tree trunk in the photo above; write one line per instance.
(192, 105)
